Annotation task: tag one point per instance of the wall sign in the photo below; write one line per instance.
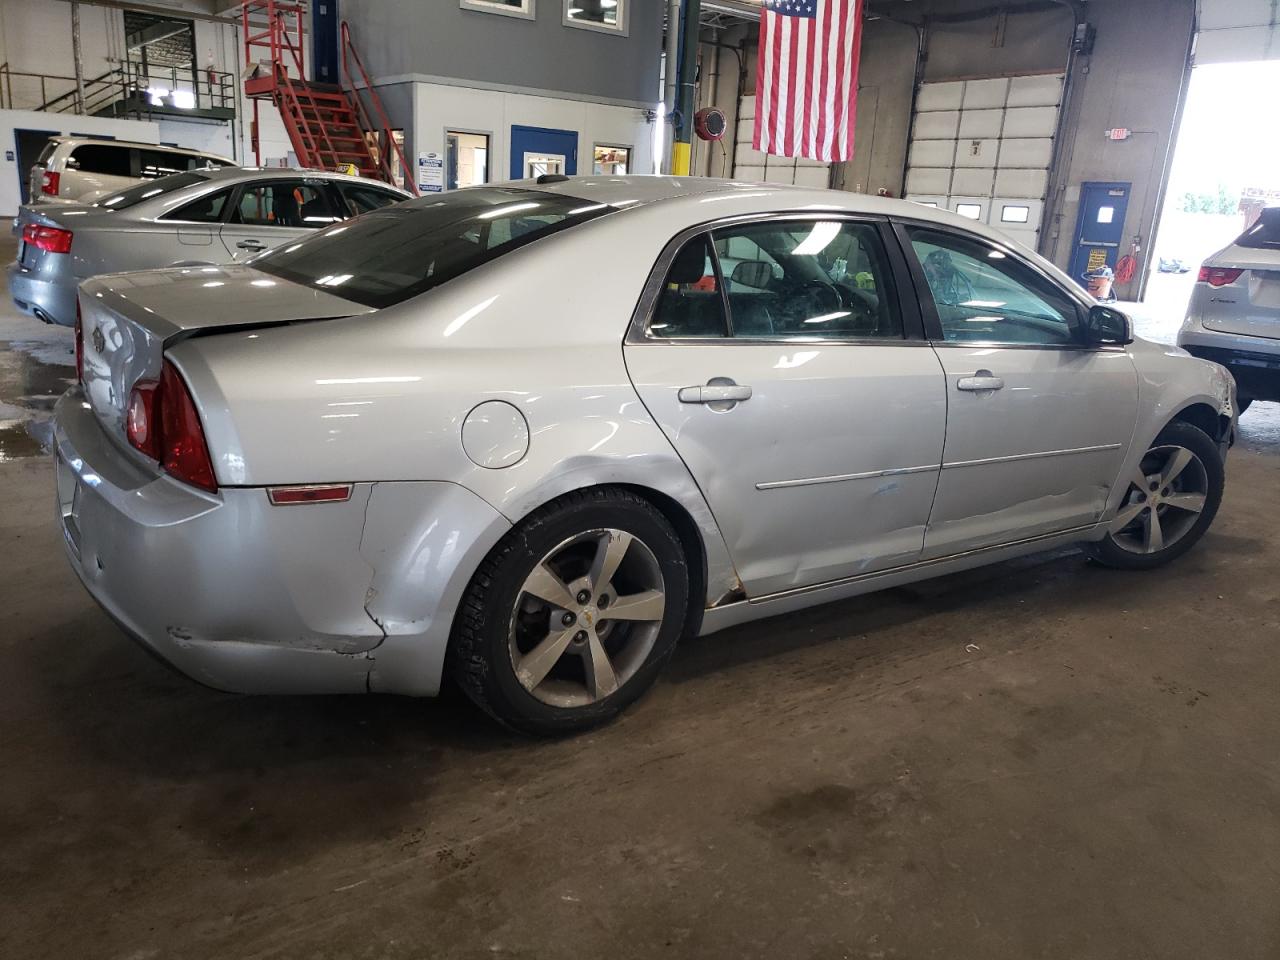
(1119, 133)
(430, 172)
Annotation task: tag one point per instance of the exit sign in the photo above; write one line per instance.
(1119, 133)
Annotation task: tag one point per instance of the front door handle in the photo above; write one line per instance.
(715, 393)
(980, 382)
(254, 245)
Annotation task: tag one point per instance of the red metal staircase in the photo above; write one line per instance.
(329, 126)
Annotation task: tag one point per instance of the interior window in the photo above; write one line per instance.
(807, 279)
(103, 158)
(284, 203)
(983, 295)
(207, 209)
(690, 304)
(364, 199)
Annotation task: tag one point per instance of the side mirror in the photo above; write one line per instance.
(1108, 326)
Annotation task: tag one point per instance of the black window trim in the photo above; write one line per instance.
(929, 311)
(913, 331)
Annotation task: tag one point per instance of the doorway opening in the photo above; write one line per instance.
(1223, 174)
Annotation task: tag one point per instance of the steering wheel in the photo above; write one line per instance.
(822, 297)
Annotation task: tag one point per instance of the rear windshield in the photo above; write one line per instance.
(1265, 234)
(398, 252)
(152, 188)
(47, 152)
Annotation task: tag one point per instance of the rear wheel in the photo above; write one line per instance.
(1172, 499)
(573, 614)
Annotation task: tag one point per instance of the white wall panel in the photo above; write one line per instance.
(980, 124)
(929, 180)
(1026, 153)
(937, 125)
(1022, 183)
(940, 96)
(988, 94)
(977, 153)
(1030, 122)
(975, 182)
(933, 153)
(1035, 91)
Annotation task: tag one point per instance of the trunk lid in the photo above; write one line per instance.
(49, 215)
(1249, 305)
(128, 319)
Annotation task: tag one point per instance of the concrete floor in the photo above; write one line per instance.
(1039, 759)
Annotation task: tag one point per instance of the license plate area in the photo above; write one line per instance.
(70, 493)
(27, 255)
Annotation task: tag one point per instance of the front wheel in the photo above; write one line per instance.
(1172, 498)
(573, 614)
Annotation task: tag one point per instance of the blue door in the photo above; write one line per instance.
(539, 150)
(1099, 228)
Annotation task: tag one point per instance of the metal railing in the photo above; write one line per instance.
(383, 124)
(126, 86)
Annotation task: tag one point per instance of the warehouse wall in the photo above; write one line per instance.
(398, 38)
(1135, 78)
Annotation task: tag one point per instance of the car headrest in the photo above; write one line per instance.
(690, 264)
(753, 273)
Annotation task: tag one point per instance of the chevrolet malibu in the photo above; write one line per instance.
(529, 436)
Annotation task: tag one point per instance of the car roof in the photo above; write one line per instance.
(694, 194)
(233, 174)
(110, 142)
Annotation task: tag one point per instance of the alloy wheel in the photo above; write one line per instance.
(587, 617)
(1166, 495)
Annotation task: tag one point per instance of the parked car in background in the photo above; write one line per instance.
(80, 170)
(1172, 265)
(531, 435)
(1234, 314)
(200, 218)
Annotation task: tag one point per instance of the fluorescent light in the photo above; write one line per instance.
(505, 211)
(819, 237)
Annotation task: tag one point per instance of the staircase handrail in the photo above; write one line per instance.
(348, 47)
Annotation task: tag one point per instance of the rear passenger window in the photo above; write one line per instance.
(690, 304)
(103, 158)
(284, 203)
(808, 280)
(364, 199)
(207, 209)
(161, 163)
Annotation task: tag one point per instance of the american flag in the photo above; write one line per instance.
(807, 78)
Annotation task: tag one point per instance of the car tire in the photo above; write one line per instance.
(1180, 478)
(1243, 404)
(534, 643)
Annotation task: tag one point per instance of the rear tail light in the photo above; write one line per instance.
(316, 493)
(79, 344)
(49, 239)
(162, 422)
(49, 183)
(1219, 276)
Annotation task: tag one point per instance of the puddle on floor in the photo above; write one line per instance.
(33, 375)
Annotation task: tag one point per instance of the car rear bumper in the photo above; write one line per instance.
(46, 298)
(1256, 370)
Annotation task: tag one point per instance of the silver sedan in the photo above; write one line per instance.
(202, 217)
(531, 435)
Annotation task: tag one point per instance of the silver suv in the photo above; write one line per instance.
(80, 170)
(1234, 314)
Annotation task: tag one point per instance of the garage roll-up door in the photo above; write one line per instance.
(751, 164)
(1234, 31)
(982, 148)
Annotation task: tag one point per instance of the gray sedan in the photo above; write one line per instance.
(529, 436)
(198, 218)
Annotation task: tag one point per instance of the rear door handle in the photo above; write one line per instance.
(254, 245)
(715, 393)
(979, 382)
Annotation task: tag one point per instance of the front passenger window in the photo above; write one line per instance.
(983, 295)
(284, 203)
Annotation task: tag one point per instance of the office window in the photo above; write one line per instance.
(609, 16)
(509, 8)
(1014, 214)
(611, 161)
(971, 210)
(467, 159)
